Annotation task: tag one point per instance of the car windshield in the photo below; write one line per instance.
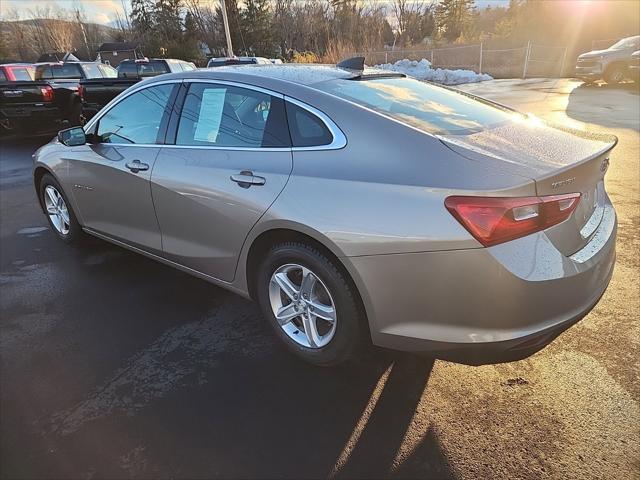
(626, 43)
(432, 109)
(91, 70)
(108, 71)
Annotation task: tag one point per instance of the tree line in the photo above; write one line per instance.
(319, 30)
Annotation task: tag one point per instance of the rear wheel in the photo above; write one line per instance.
(310, 304)
(60, 215)
(615, 74)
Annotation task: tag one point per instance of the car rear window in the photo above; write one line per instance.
(231, 61)
(22, 74)
(66, 71)
(142, 69)
(427, 107)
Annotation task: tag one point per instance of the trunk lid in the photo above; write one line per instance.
(559, 160)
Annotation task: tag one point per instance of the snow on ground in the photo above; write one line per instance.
(422, 71)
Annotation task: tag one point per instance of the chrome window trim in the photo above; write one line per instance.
(231, 149)
(339, 139)
(246, 86)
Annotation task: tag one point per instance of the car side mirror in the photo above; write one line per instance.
(72, 137)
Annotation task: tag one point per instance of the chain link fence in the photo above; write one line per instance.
(528, 61)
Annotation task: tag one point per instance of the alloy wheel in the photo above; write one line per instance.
(57, 210)
(302, 305)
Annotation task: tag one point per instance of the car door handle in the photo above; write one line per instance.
(246, 178)
(137, 166)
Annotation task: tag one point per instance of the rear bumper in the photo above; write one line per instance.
(485, 305)
(30, 112)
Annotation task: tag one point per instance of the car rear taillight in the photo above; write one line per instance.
(493, 220)
(81, 92)
(47, 93)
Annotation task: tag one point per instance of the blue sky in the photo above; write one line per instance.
(104, 11)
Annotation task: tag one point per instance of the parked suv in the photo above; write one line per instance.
(224, 61)
(610, 65)
(143, 68)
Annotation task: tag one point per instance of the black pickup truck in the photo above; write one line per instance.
(97, 92)
(65, 78)
(27, 106)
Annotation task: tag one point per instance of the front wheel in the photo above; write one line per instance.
(60, 215)
(310, 304)
(615, 74)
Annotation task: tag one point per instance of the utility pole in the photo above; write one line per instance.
(84, 34)
(227, 33)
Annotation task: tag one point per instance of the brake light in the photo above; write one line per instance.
(47, 93)
(81, 92)
(494, 220)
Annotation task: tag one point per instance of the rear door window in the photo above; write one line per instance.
(307, 130)
(3, 78)
(427, 107)
(228, 116)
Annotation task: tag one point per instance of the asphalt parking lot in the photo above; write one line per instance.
(114, 366)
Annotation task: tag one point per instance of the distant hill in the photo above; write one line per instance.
(27, 39)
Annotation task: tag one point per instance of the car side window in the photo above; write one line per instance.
(3, 77)
(137, 118)
(307, 130)
(228, 116)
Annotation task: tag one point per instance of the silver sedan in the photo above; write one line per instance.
(356, 206)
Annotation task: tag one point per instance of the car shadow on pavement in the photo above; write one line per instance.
(136, 370)
(617, 109)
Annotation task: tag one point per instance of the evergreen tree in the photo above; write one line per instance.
(256, 22)
(168, 16)
(452, 16)
(142, 24)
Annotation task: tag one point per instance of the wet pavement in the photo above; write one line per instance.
(114, 366)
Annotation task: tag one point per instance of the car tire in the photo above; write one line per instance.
(331, 289)
(61, 217)
(615, 74)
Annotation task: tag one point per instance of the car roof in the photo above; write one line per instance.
(300, 73)
(16, 65)
(295, 80)
(224, 59)
(43, 64)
